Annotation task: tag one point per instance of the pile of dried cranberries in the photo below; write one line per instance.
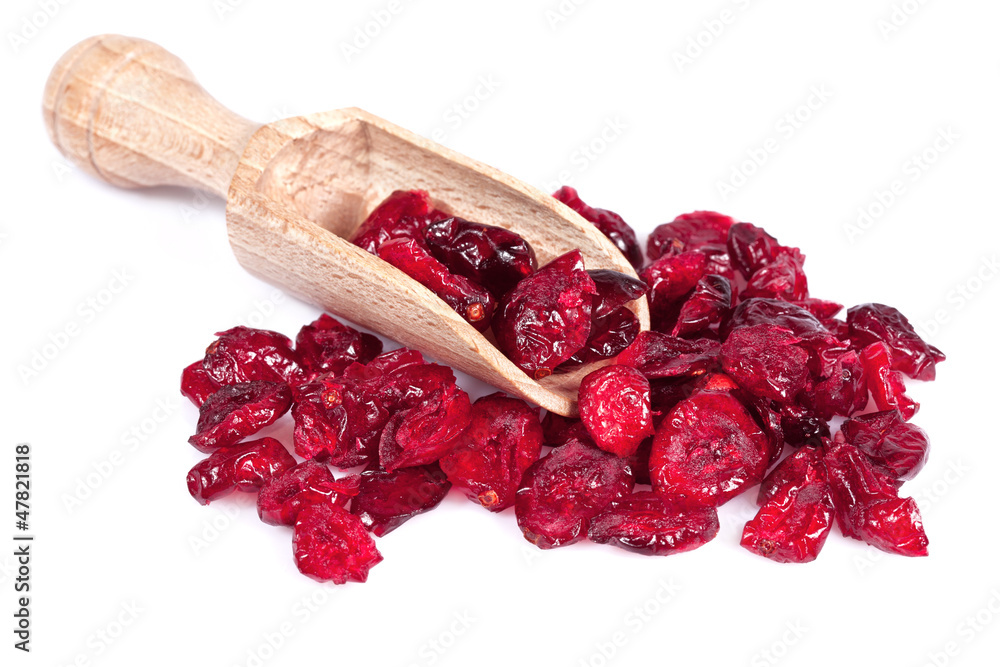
(740, 363)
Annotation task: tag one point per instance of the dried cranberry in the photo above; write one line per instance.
(765, 360)
(647, 523)
(608, 222)
(423, 434)
(658, 355)
(558, 430)
(545, 319)
(886, 385)
(792, 526)
(196, 383)
(820, 309)
(783, 278)
(403, 214)
(845, 392)
(332, 544)
(711, 302)
(805, 466)
(614, 289)
(893, 444)
(243, 467)
(609, 335)
(801, 426)
(868, 506)
(474, 303)
(700, 230)
(238, 410)
(709, 448)
(665, 393)
(387, 499)
(504, 438)
(490, 256)
(751, 248)
(671, 278)
(242, 354)
(561, 492)
(328, 346)
(614, 406)
(873, 323)
(308, 483)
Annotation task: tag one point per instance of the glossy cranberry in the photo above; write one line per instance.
(562, 492)
(331, 544)
(558, 430)
(545, 319)
(609, 335)
(490, 256)
(608, 222)
(874, 322)
(765, 360)
(403, 214)
(238, 410)
(614, 290)
(801, 426)
(792, 526)
(647, 523)
(671, 279)
(822, 310)
(423, 434)
(308, 483)
(894, 445)
(886, 385)
(751, 248)
(804, 466)
(783, 278)
(845, 392)
(658, 355)
(504, 437)
(328, 346)
(387, 499)
(243, 467)
(196, 383)
(243, 354)
(700, 230)
(615, 408)
(710, 304)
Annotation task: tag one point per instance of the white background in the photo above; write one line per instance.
(130, 547)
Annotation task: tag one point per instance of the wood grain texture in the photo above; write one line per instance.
(298, 188)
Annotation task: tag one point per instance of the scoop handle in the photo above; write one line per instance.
(132, 113)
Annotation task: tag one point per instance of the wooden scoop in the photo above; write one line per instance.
(131, 113)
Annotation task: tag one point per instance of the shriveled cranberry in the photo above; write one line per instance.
(403, 214)
(709, 448)
(331, 544)
(699, 230)
(608, 222)
(308, 483)
(671, 278)
(657, 355)
(874, 322)
(801, 426)
(615, 408)
(649, 524)
(238, 410)
(804, 466)
(868, 506)
(504, 438)
(423, 434)
(765, 360)
(329, 346)
(665, 393)
(493, 257)
(614, 289)
(792, 526)
(822, 310)
(474, 303)
(609, 335)
(243, 354)
(196, 383)
(893, 444)
(387, 499)
(783, 278)
(886, 385)
(751, 248)
(545, 319)
(243, 467)
(711, 302)
(562, 492)
(558, 430)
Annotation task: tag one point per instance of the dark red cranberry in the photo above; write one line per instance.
(874, 322)
(403, 214)
(783, 278)
(608, 222)
(238, 410)
(615, 408)
(845, 392)
(386, 500)
(886, 385)
(196, 383)
(894, 445)
(765, 360)
(671, 279)
(243, 467)
(331, 544)
(710, 304)
(308, 483)
(423, 434)
(328, 346)
(792, 526)
(700, 230)
(649, 524)
(242, 354)
(614, 290)
(658, 355)
(558, 430)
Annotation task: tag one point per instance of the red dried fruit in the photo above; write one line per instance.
(874, 322)
(614, 290)
(558, 430)
(332, 544)
(608, 222)
(845, 392)
(615, 408)
(196, 384)
(561, 492)
(710, 304)
(545, 319)
(868, 506)
(782, 278)
(308, 483)
(329, 346)
(700, 230)
(423, 434)
(649, 524)
(765, 360)
(242, 354)
(238, 410)
(657, 355)
(792, 526)
(709, 448)
(504, 438)
(387, 499)
(800, 426)
(666, 393)
(243, 467)
(898, 447)
(822, 310)
(886, 385)
(493, 257)
(671, 278)
(751, 248)
(804, 466)
(474, 303)
(403, 214)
